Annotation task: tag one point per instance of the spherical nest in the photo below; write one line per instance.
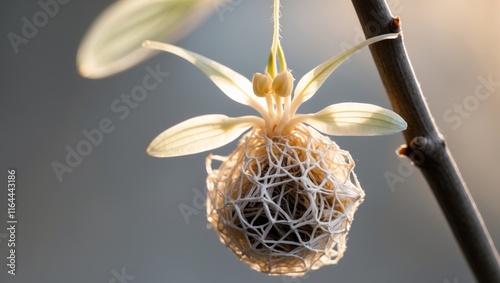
(284, 204)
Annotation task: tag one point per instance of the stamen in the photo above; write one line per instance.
(261, 84)
(283, 84)
(270, 106)
(279, 106)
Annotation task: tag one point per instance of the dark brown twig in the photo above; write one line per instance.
(425, 145)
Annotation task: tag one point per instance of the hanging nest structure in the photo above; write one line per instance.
(284, 204)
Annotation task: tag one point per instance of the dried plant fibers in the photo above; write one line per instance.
(284, 204)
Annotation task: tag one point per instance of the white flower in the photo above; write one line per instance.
(272, 99)
(284, 200)
(113, 42)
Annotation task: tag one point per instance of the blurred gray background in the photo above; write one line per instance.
(118, 212)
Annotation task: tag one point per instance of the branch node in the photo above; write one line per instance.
(419, 143)
(420, 148)
(395, 24)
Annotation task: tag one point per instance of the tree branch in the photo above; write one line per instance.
(425, 145)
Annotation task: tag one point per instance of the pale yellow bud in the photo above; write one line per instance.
(283, 84)
(261, 84)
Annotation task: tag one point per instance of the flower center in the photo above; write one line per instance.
(277, 91)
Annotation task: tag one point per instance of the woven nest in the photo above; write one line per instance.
(284, 205)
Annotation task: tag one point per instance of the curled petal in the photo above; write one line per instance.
(312, 81)
(200, 134)
(355, 119)
(234, 85)
(113, 42)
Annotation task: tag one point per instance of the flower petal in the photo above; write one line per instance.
(356, 119)
(312, 81)
(234, 85)
(113, 42)
(200, 134)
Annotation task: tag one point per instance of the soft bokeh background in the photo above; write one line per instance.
(118, 211)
